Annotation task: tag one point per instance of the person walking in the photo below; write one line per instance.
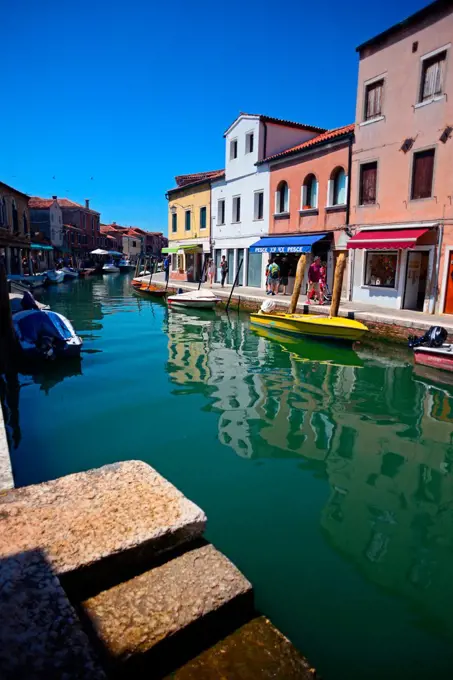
(274, 277)
(167, 268)
(223, 270)
(314, 276)
(211, 272)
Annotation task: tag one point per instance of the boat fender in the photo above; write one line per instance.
(180, 291)
(267, 307)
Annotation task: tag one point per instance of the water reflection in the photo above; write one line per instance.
(384, 437)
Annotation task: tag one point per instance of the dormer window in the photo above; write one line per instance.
(233, 149)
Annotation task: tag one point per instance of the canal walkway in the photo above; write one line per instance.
(403, 319)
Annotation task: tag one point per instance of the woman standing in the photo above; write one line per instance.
(211, 272)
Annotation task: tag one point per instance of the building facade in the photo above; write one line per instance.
(83, 218)
(189, 224)
(402, 167)
(47, 229)
(240, 199)
(309, 194)
(14, 229)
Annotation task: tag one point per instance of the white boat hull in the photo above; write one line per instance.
(55, 276)
(110, 269)
(195, 304)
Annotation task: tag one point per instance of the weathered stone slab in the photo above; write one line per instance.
(256, 651)
(126, 510)
(133, 617)
(40, 635)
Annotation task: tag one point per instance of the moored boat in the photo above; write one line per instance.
(197, 299)
(70, 273)
(314, 325)
(125, 265)
(431, 349)
(55, 276)
(29, 280)
(45, 334)
(110, 268)
(150, 289)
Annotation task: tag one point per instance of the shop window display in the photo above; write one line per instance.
(380, 269)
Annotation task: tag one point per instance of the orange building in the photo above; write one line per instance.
(309, 196)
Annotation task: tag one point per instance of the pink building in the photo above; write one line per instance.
(309, 198)
(402, 166)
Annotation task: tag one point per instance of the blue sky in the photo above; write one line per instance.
(132, 93)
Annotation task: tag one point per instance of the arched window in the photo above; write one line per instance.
(310, 192)
(25, 223)
(338, 187)
(282, 198)
(15, 218)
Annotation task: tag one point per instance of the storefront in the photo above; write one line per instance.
(41, 257)
(187, 261)
(286, 251)
(394, 266)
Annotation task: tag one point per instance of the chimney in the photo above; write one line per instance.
(87, 203)
(113, 222)
(54, 198)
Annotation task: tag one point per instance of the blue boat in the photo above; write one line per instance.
(44, 334)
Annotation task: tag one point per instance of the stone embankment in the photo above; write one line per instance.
(105, 574)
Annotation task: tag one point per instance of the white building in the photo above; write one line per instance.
(240, 202)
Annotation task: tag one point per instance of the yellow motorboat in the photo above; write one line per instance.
(333, 328)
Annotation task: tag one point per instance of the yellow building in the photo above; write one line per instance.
(189, 224)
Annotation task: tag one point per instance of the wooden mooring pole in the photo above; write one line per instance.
(300, 272)
(338, 283)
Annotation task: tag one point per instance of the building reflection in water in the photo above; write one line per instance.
(383, 436)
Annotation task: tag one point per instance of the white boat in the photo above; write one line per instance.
(198, 299)
(110, 268)
(70, 273)
(125, 265)
(46, 335)
(55, 276)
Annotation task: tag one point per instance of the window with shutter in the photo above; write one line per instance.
(432, 82)
(203, 218)
(373, 99)
(368, 181)
(422, 174)
(174, 223)
(187, 223)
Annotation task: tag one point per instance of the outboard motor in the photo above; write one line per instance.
(267, 307)
(434, 337)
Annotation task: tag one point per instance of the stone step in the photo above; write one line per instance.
(256, 651)
(165, 616)
(40, 635)
(101, 526)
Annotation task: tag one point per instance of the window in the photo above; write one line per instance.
(373, 99)
(134, 244)
(433, 73)
(187, 222)
(249, 142)
(368, 180)
(3, 215)
(25, 224)
(380, 269)
(338, 193)
(221, 211)
(203, 218)
(310, 192)
(233, 149)
(15, 218)
(258, 212)
(236, 209)
(174, 223)
(422, 174)
(282, 198)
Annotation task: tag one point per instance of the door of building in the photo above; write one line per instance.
(230, 260)
(449, 292)
(411, 298)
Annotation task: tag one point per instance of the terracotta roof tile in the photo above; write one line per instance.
(67, 203)
(37, 202)
(319, 139)
(277, 121)
(185, 180)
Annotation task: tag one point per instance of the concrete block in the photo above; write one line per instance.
(40, 635)
(135, 618)
(256, 651)
(117, 515)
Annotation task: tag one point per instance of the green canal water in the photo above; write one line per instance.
(326, 473)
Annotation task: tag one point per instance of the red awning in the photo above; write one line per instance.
(387, 239)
